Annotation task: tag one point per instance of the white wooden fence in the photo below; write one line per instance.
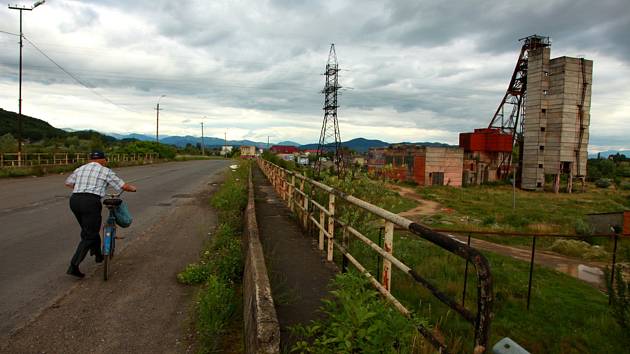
(11, 160)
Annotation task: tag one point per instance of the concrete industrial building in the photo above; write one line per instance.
(425, 165)
(556, 119)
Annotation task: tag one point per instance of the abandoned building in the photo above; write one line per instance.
(425, 165)
(544, 116)
(557, 111)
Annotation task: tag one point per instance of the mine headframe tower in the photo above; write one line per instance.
(514, 102)
(329, 138)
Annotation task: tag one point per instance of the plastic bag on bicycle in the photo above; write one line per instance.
(123, 216)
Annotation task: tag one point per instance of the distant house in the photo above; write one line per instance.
(311, 151)
(283, 149)
(248, 152)
(226, 149)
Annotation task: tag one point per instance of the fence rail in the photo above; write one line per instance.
(11, 160)
(324, 220)
(615, 237)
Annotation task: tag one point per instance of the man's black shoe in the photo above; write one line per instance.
(99, 258)
(74, 270)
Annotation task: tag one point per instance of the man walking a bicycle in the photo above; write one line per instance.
(89, 183)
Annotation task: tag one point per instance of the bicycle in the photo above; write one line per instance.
(109, 232)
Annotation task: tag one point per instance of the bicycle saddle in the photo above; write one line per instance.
(112, 202)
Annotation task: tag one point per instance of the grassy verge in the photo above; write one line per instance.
(219, 270)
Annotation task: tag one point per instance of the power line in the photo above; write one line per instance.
(76, 78)
(13, 34)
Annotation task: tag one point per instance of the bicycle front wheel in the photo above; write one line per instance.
(106, 267)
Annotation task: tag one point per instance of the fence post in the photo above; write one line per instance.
(612, 269)
(344, 243)
(331, 226)
(305, 215)
(465, 276)
(388, 246)
(291, 187)
(322, 219)
(531, 271)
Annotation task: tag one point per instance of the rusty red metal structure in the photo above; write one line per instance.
(509, 116)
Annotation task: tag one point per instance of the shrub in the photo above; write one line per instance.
(358, 320)
(603, 183)
(194, 274)
(625, 185)
(578, 249)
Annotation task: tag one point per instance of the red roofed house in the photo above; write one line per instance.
(283, 149)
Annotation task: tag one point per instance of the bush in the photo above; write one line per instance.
(580, 249)
(625, 185)
(603, 183)
(194, 274)
(358, 320)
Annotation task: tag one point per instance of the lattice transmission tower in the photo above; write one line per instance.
(329, 138)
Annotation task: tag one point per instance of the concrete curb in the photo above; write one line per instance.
(262, 329)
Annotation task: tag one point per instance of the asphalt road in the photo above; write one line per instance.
(38, 232)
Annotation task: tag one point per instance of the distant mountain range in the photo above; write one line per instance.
(605, 154)
(36, 129)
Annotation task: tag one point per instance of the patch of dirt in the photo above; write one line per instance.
(141, 308)
(426, 207)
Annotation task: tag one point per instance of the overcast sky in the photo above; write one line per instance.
(414, 70)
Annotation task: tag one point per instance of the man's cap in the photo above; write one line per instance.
(97, 155)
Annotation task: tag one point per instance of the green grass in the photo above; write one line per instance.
(489, 208)
(220, 268)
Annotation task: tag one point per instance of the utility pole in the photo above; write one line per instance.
(225, 144)
(157, 120)
(202, 147)
(21, 9)
(267, 142)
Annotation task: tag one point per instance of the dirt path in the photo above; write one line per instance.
(426, 207)
(590, 272)
(141, 309)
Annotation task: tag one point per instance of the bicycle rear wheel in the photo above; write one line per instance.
(109, 233)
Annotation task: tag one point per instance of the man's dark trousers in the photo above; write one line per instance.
(87, 208)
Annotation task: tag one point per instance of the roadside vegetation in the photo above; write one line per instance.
(566, 315)
(218, 307)
(358, 320)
